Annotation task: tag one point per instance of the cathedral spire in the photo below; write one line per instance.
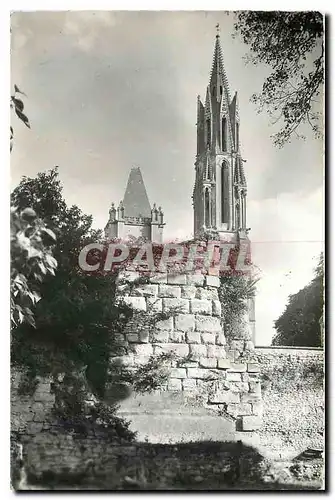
(218, 78)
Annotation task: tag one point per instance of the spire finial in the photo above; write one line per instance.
(217, 30)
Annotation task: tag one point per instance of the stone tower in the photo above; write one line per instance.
(134, 215)
(220, 189)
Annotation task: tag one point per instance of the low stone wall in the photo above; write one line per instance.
(192, 328)
(293, 398)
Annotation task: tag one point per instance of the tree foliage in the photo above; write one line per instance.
(16, 104)
(300, 323)
(287, 42)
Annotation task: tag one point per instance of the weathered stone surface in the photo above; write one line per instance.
(154, 304)
(174, 384)
(130, 276)
(249, 346)
(250, 397)
(238, 409)
(233, 377)
(178, 373)
(216, 308)
(224, 364)
(224, 397)
(208, 362)
(132, 337)
(255, 386)
(220, 339)
(176, 279)
(161, 336)
(251, 422)
(201, 306)
(137, 303)
(208, 338)
(253, 368)
(237, 345)
(238, 386)
(159, 278)
(206, 294)
(207, 324)
(195, 279)
(215, 351)
(193, 337)
(184, 322)
(177, 336)
(189, 384)
(169, 291)
(143, 337)
(178, 349)
(198, 350)
(188, 292)
(178, 305)
(238, 367)
(213, 281)
(201, 373)
(164, 325)
(148, 290)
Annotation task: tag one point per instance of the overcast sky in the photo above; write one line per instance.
(111, 90)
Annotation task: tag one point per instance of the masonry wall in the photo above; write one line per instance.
(192, 329)
(293, 398)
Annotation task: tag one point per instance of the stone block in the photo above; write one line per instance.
(160, 336)
(253, 368)
(215, 351)
(239, 386)
(245, 377)
(143, 350)
(251, 422)
(232, 354)
(207, 324)
(177, 305)
(189, 384)
(201, 306)
(188, 292)
(174, 384)
(132, 337)
(195, 279)
(200, 373)
(238, 367)
(206, 294)
(143, 337)
(255, 386)
(164, 324)
(149, 290)
(129, 276)
(224, 364)
(137, 303)
(178, 373)
(238, 409)
(159, 278)
(251, 397)
(154, 304)
(213, 281)
(184, 322)
(193, 337)
(216, 308)
(208, 362)
(233, 377)
(169, 291)
(220, 339)
(224, 397)
(249, 346)
(177, 336)
(176, 279)
(198, 350)
(179, 349)
(208, 338)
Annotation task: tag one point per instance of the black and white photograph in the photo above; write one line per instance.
(167, 250)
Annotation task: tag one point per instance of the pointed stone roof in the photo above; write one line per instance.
(218, 73)
(136, 201)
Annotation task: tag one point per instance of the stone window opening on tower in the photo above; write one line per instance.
(224, 193)
(207, 208)
(224, 134)
(208, 131)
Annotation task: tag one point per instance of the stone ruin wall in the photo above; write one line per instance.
(223, 371)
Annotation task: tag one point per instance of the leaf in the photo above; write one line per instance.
(16, 89)
(22, 117)
(18, 104)
(49, 232)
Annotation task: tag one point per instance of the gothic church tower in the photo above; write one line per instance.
(220, 190)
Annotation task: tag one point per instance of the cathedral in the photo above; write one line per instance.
(220, 190)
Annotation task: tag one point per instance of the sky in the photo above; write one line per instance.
(107, 91)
